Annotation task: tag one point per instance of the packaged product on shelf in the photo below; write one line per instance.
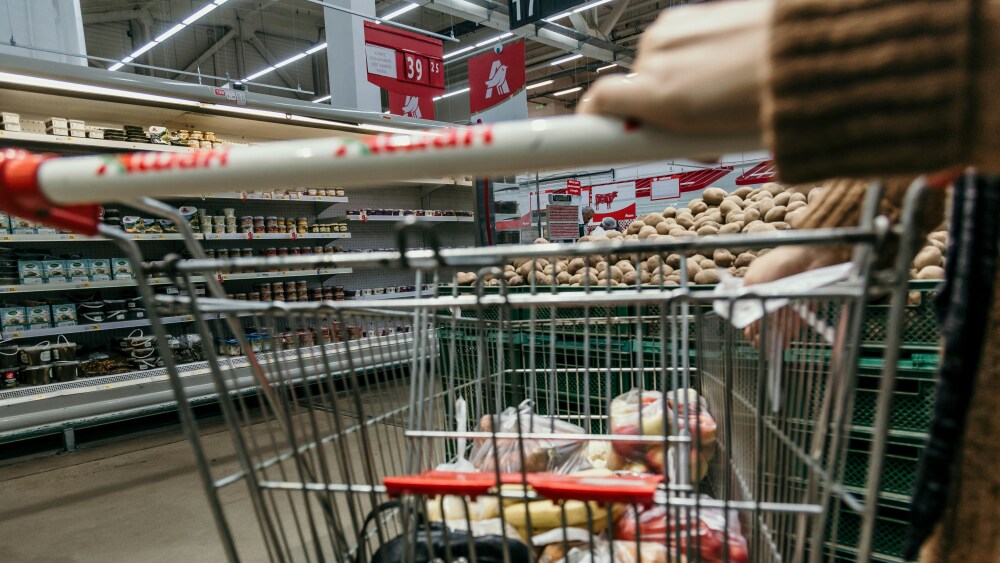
(64, 371)
(122, 269)
(100, 269)
(20, 226)
(55, 271)
(31, 272)
(39, 316)
(8, 378)
(60, 122)
(133, 224)
(561, 456)
(35, 375)
(13, 317)
(64, 314)
(77, 124)
(43, 230)
(12, 127)
(4, 222)
(78, 270)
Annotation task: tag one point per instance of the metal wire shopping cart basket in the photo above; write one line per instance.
(497, 423)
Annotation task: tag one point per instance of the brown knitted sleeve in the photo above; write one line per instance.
(859, 88)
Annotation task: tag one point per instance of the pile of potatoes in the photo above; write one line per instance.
(771, 207)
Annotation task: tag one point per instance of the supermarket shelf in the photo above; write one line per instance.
(36, 411)
(274, 236)
(48, 287)
(19, 137)
(384, 296)
(257, 197)
(95, 327)
(418, 218)
(63, 237)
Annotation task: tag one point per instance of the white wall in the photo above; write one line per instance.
(56, 25)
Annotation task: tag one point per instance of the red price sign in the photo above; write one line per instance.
(435, 73)
(415, 68)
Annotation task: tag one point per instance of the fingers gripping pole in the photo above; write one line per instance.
(21, 195)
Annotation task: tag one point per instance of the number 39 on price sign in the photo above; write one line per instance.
(416, 68)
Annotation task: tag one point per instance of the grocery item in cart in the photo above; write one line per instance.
(621, 552)
(557, 455)
(707, 530)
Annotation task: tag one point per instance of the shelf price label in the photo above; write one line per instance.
(249, 235)
(295, 235)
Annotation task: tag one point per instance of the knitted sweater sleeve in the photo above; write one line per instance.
(860, 88)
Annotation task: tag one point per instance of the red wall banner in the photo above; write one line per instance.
(404, 62)
(419, 107)
(495, 77)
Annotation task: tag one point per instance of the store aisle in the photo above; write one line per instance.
(138, 500)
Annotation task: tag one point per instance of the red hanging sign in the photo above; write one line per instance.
(495, 77)
(418, 107)
(404, 62)
(573, 187)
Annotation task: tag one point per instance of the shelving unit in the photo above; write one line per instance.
(418, 218)
(55, 142)
(273, 236)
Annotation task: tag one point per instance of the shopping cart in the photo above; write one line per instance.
(502, 423)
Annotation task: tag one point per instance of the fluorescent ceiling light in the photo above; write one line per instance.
(316, 49)
(494, 39)
(558, 17)
(259, 73)
(450, 94)
(408, 7)
(116, 66)
(589, 6)
(566, 59)
(290, 60)
(570, 91)
(247, 111)
(167, 34)
(458, 52)
(606, 67)
(539, 84)
(126, 95)
(220, 2)
(197, 15)
(143, 49)
(322, 98)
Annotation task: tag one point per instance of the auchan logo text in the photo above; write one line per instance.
(161, 162)
(389, 144)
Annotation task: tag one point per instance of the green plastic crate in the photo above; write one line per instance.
(888, 537)
(921, 329)
(912, 402)
(899, 466)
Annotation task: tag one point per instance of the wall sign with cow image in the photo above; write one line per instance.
(616, 200)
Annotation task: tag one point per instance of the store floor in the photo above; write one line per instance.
(142, 500)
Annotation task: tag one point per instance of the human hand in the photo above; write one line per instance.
(700, 69)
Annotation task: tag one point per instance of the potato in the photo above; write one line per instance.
(508, 268)
(714, 196)
(575, 265)
(549, 270)
(742, 192)
(594, 260)
(772, 188)
(663, 228)
(630, 278)
(746, 229)
(736, 217)
(764, 206)
(761, 228)
(516, 280)
(693, 268)
(646, 231)
(634, 226)
(782, 199)
(614, 235)
(540, 240)
(729, 206)
(561, 266)
(519, 262)
(707, 264)
(938, 245)
(465, 278)
(562, 278)
(591, 275)
(674, 261)
(575, 278)
(730, 228)
(524, 269)
(584, 238)
(793, 217)
(797, 197)
(652, 219)
(751, 214)
(795, 206)
(605, 282)
(929, 256)
(776, 213)
(744, 259)
(688, 233)
(707, 277)
(813, 195)
(625, 266)
(931, 273)
(762, 252)
(652, 262)
(644, 277)
(616, 273)
(740, 272)
(677, 232)
(685, 220)
(709, 223)
(723, 257)
(601, 266)
(493, 282)
(761, 196)
(940, 236)
(631, 237)
(780, 225)
(708, 230)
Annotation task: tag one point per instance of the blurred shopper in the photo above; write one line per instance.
(856, 89)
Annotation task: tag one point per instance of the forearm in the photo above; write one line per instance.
(858, 88)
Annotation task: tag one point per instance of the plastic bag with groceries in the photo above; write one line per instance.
(705, 531)
(555, 455)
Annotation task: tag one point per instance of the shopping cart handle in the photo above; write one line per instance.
(618, 488)
(21, 195)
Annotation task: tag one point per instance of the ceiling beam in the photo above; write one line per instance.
(540, 34)
(581, 24)
(611, 20)
(116, 15)
(230, 34)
